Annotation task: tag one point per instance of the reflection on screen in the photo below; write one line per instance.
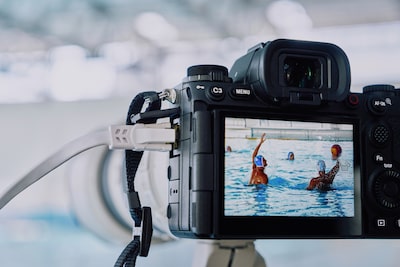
(295, 152)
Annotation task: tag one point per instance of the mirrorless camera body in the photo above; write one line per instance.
(284, 97)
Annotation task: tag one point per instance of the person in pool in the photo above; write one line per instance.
(324, 180)
(290, 156)
(258, 176)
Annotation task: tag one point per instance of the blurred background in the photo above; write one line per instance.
(68, 67)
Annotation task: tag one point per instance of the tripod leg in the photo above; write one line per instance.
(229, 253)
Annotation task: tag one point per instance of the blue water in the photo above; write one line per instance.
(286, 194)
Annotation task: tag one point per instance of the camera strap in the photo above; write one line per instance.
(143, 228)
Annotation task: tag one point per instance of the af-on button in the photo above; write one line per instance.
(378, 106)
(379, 97)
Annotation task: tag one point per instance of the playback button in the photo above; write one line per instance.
(387, 224)
(381, 223)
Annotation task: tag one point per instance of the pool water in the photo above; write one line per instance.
(286, 194)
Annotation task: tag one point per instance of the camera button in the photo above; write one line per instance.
(379, 158)
(169, 212)
(380, 135)
(353, 100)
(216, 93)
(378, 106)
(381, 222)
(241, 93)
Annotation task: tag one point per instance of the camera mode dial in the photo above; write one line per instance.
(212, 73)
(209, 79)
(386, 188)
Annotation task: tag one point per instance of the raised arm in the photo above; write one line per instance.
(255, 152)
(332, 173)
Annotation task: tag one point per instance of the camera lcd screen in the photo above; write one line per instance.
(288, 168)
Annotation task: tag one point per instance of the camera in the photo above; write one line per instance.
(285, 108)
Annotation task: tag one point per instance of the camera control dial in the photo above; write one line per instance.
(386, 189)
(380, 89)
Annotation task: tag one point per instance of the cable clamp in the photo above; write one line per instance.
(168, 94)
(140, 137)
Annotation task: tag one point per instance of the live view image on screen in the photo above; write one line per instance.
(288, 168)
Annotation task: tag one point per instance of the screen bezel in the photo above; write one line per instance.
(286, 226)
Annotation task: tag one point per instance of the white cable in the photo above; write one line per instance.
(141, 137)
(158, 136)
(67, 152)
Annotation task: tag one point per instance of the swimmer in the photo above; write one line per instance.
(259, 163)
(290, 156)
(324, 180)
